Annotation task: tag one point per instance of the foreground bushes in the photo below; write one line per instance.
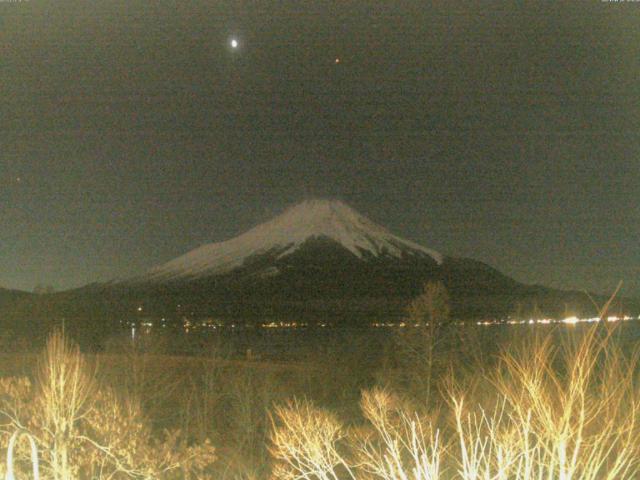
(546, 412)
(561, 407)
(83, 431)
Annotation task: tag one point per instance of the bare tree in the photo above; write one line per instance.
(423, 346)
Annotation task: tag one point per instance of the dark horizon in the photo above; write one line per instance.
(132, 133)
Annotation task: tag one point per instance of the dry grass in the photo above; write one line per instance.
(83, 431)
(561, 405)
(547, 411)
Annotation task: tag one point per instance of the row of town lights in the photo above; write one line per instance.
(539, 321)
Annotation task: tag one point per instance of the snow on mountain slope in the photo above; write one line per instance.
(284, 234)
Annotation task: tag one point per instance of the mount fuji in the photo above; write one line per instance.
(299, 228)
(321, 258)
(319, 261)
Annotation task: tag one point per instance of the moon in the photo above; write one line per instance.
(234, 43)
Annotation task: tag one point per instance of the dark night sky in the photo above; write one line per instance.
(130, 132)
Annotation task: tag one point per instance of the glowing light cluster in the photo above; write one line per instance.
(572, 320)
(283, 325)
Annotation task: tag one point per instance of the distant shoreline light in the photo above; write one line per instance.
(192, 324)
(532, 321)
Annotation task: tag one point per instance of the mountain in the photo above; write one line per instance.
(9, 296)
(289, 234)
(318, 262)
(321, 258)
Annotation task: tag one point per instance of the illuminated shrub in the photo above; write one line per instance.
(85, 432)
(557, 412)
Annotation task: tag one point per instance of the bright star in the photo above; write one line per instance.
(234, 43)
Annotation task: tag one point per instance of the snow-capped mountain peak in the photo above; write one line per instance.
(330, 219)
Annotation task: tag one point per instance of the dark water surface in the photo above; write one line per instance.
(308, 343)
